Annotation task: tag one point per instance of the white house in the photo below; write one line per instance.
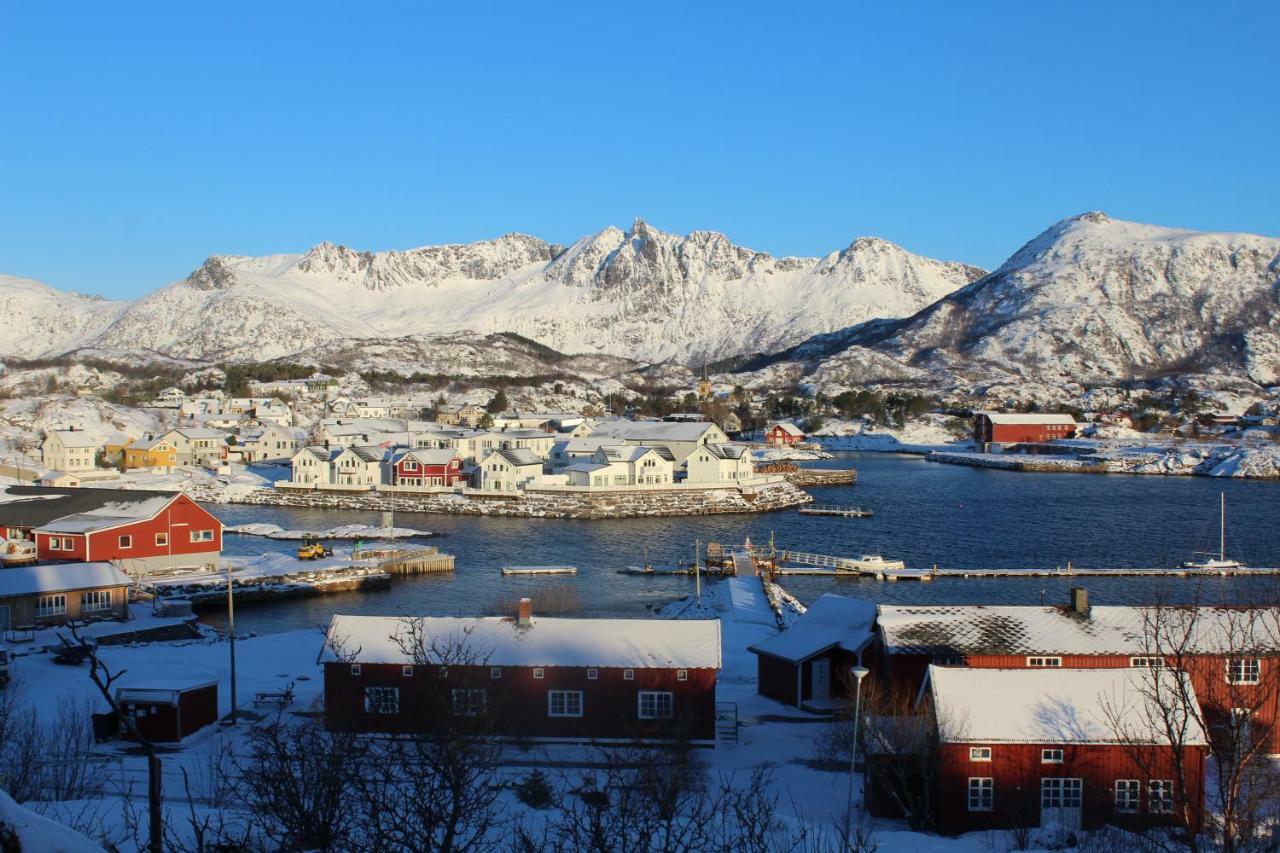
(680, 438)
(68, 450)
(358, 466)
(311, 465)
(621, 465)
(170, 398)
(273, 441)
(719, 463)
(195, 445)
(509, 470)
(537, 440)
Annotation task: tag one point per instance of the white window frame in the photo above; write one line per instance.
(982, 793)
(1249, 670)
(201, 535)
(655, 699)
(1160, 796)
(539, 672)
(1128, 796)
(979, 753)
(443, 672)
(592, 673)
(125, 542)
(355, 669)
(54, 604)
(495, 672)
(682, 675)
(1044, 662)
(95, 600)
(382, 701)
(628, 675)
(1061, 792)
(569, 703)
(1147, 662)
(162, 539)
(1052, 755)
(406, 671)
(470, 701)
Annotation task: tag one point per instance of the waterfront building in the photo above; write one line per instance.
(997, 428)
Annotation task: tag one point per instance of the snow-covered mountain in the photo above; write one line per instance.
(40, 321)
(640, 294)
(1090, 299)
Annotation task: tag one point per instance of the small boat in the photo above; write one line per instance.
(840, 511)
(1210, 563)
(875, 562)
(539, 570)
(17, 552)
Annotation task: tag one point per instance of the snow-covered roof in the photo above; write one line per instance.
(728, 451)
(199, 433)
(74, 438)
(167, 691)
(787, 427)
(1032, 418)
(832, 621)
(149, 444)
(985, 630)
(626, 452)
(367, 453)
(654, 430)
(427, 456)
(1054, 706)
(33, 506)
(585, 467)
(63, 577)
(517, 456)
(500, 641)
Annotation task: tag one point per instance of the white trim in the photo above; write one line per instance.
(564, 694)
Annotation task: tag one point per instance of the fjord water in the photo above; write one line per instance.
(925, 513)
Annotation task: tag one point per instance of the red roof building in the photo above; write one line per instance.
(783, 433)
(425, 467)
(998, 428)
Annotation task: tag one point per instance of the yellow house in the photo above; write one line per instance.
(113, 450)
(152, 453)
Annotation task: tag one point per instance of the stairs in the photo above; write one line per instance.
(726, 722)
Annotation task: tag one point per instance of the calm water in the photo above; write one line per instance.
(925, 513)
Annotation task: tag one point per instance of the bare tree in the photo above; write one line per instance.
(901, 743)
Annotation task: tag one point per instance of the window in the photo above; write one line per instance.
(1050, 756)
(1044, 662)
(162, 539)
(592, 673)
(564, 703)
(982, 790)
(406, 671)
(948, 660)
(126, 541)
(656, 705)
(682, 675)
(355, 669)
(202, 536)
(979, 753)
(628, 675)
(1148, 662)
(1128, 792)
(468, 702)
(1160, 796)
(382, 700)
(51, 605)
(443, 672)
(1244, 671)
(538, 672)
(1059, 793)
(495, 672)
(55, 544)
(94, 600)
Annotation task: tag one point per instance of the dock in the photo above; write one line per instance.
(833, 509)
(539, 570)
(836, 570)
(424, 560)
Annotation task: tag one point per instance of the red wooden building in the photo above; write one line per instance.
(425, 467)
(542, 678)
(139, 531)
(1232, 654)
(808, 665)
(998, 428)
(783, 433)
(169, 711)
(1070, 749)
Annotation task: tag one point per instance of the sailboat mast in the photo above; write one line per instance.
(1222, 529)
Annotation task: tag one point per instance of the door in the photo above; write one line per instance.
(4, 617)
(1060, 804)
(821, 670)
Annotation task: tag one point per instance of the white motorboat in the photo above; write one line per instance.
(17, 552)
(875, 562)
(1212, 563)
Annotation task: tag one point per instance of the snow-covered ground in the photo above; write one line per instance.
(917, 436)
(787, 454)
(358, 532)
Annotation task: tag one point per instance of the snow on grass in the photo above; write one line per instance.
(344, 531)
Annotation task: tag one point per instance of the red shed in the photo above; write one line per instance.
(169, 711)
(425, 467)
(783, 433)
(1070, 749)
(544, 678)
(997, 428)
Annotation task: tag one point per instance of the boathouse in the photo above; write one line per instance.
(53, 594)
(1069, 749)
(168, 711)
(808, 665)
(783, 433)
(523, 676)
(139, 531)
(999, 428)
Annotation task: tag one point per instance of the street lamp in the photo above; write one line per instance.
(859, 673)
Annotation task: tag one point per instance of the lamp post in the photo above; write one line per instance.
(859, 673)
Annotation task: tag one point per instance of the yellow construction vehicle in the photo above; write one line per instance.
(312, 549)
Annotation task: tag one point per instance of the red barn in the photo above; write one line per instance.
(139, 531)
(1232, 654)
(544, 678)
(783, 433)
(169, 711)
(1071, 749)
(425, 467)
(997, 428)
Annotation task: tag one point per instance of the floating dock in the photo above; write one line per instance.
(539, 570)
(840, 511)
(1057, 572)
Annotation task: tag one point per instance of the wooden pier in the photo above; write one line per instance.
(406, 561)
(833, 509)
(539, 570)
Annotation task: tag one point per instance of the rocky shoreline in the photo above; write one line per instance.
(547, 504)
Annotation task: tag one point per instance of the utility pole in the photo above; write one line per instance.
(231, 633)
(697, 568)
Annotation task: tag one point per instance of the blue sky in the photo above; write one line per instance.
(136, 139)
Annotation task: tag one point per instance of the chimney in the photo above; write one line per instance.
(525, 619)
(1080, 601)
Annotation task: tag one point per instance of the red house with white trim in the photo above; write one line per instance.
(1034, 427)
(544, 678)
(139, 531)
(425, 467)
(783, 433)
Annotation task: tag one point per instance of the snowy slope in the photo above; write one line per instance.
(641, 294)
(40, 321)
(1091, 298)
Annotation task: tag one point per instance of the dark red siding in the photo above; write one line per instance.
(167, 723)
(777, 678)
(517, 702)
(985, 431)
(177, 520)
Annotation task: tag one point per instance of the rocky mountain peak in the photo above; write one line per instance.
(214, 274)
